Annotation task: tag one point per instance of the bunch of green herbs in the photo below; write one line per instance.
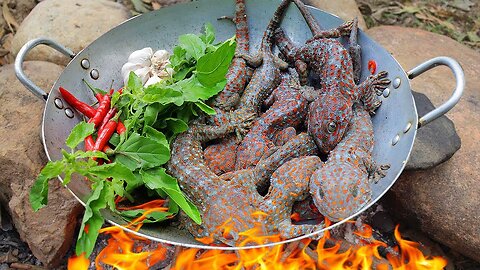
(153, 116)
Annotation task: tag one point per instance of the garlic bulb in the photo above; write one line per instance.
(150, 67)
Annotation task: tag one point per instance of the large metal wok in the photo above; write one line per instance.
(395, 123)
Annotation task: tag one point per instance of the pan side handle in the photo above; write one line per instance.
(37, 91)
(457, 92)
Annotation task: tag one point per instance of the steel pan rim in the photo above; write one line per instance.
(202, 246)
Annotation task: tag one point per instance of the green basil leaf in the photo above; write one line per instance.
(193, 46)
(134, 83)
(79, 133)
(118, 187)
(185, 113)
(172, 206)
(93, 219)
(115, 139)
(159, 179)
(150, 114)
(194, 91)
(38, 196)
(69, 170)
(134, 121)
(212, 67)
(152, 217)
(138, 151)
(205, 108)
(90, 154)
(136, 183)
(209, 36)
(115, 98)
(156, 135)
(118, 172)
(163, 95)
(178, 59)
(183, 73)
(176, 126)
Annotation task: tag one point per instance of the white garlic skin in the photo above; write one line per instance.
(150, 67)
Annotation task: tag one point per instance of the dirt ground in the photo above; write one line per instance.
(458, 19)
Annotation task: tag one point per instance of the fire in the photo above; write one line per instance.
(124, 250)
(326, 254)
(78, 263)
(412, 258)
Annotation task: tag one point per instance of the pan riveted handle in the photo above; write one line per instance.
(457, 92)
(39, 92)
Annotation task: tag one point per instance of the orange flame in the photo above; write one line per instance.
(328, 253)
(412, 258)
(78, 263)
(122, 253)
(124, 250)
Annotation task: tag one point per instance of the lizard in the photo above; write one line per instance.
(238, 71)
(227, 202)
(339, 187)
(287, 109)
(343, 185)
(332, 110)
(202, 186)
(228, 98)
(265, 78)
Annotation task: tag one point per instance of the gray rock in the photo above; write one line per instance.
(442, 201)
(436, 142)
(49, 232)
(345, 9)
(72, 23)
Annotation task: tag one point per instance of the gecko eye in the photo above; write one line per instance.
(331, 127)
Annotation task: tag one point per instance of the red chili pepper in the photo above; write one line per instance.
(102, 111)
(99, 97)
(105, 134)
(121, 128)
(111, 92)
(111, 113)
(82, 107)
(89, 143)
(372, 66)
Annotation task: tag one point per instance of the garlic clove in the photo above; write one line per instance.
(141, 57)
(170, 71)
(160, 56)
(165, 73)
(143, 73)
(127, 68)
(153, 80)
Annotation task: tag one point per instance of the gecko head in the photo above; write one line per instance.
(328, 119)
